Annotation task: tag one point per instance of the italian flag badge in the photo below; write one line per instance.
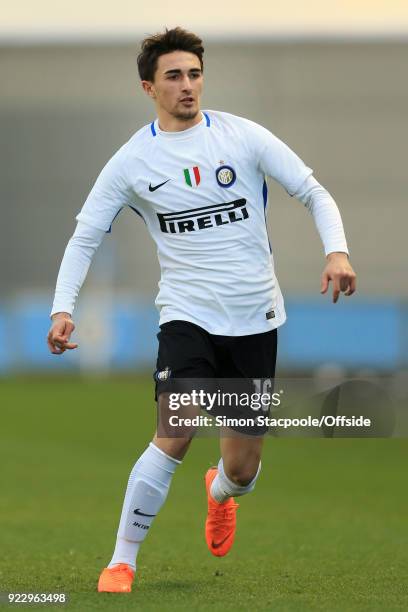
(192, 176)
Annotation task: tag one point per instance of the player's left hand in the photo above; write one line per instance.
(339, 271)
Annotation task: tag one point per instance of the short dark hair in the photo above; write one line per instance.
(176, 39)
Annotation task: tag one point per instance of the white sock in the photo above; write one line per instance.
(222, 487)
(146, 492)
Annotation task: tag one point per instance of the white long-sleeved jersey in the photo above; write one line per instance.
(202, 193)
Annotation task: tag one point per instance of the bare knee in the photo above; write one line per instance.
(242, 474)
(174, 447)
(241, 457)
(172, 440)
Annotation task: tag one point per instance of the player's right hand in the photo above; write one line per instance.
(60, 332)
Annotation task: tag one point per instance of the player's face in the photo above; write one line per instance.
(177, 85)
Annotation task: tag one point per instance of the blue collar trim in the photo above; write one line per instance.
(207, 122)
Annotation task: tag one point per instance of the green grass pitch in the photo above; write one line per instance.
(325, 529)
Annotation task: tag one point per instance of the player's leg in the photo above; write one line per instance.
(250, 357)
(146, 492)
(150, 478)
(235, 475)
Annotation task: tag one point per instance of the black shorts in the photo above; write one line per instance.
(187, 351)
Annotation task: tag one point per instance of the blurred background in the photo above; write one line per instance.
(327, 78)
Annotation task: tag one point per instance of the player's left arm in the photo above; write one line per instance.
(278, 161)
(327, 218)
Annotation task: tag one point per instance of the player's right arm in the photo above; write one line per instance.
(73, 270)
(109, 195)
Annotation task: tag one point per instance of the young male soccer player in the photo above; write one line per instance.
(198, 180)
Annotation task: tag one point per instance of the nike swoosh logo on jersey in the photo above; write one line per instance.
(137, 511)
(157, 186)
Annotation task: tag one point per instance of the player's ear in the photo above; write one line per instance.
(149, 89)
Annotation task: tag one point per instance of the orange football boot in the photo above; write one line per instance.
(116, 579)
(221, 520)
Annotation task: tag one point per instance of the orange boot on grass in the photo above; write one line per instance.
(221, 520)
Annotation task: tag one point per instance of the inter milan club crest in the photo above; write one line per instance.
(164, 374)
(225, 176)
(192, 176)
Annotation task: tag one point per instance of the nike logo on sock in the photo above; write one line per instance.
(137, 511)
(157, 186)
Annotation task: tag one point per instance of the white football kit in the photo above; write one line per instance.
(202, 194)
